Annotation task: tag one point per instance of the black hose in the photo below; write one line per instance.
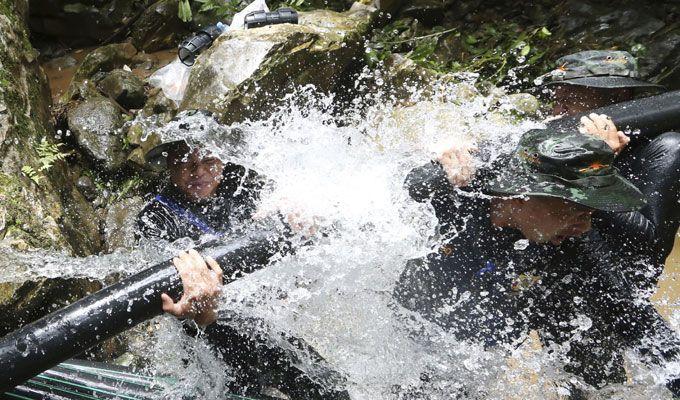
(646, 117)
(68, 332)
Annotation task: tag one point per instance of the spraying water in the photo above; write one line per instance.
(347, 178)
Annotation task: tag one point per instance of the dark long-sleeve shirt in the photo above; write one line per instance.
(170, 215)
(473, 284)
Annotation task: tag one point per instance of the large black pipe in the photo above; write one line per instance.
(68, 332)
(645, 117)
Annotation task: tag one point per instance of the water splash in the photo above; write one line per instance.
(345, 173)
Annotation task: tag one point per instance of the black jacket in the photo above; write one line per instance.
(474, 283)
(170, 215)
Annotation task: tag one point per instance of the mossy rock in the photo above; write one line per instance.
(96, 124)
(125, 88)
(102, 59)
(48, 211)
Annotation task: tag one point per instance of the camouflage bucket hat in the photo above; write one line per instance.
(606, 69)
(572, 166)
(195, 129)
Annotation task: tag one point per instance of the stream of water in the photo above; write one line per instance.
(336, 294)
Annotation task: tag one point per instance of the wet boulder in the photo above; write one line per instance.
(520, 104)
(119, 223)
(158, 104)
(125, 88)
(96, 124)
(102, 59)
(158, 27)
(246, 71)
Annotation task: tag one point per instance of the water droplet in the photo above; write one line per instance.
(521, 244)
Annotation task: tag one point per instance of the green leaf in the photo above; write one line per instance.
(184, 11)
(544, 33)
(469, 39)
(525, 50)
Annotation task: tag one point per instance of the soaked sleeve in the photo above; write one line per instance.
(655, 170)
(429, 184)
(426, 182)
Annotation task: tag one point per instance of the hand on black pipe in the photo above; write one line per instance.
(601, 126)
(202, 283)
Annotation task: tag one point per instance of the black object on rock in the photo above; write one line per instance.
(191, 47)
(68, 332)
(257, 19)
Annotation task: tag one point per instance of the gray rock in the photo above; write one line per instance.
(523, 104)
(87, 187)
(158, 27)
(248, 70)
(100, 60)
(50, 213)
(403, 77)
(119, 224)
(96, 123)
(158, 104)
(125, 88)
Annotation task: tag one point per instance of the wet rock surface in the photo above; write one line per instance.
(95, 123)
(244, 71)
(102, 59)
(119, 223)
(158, 27)
(42, 208)
(125, 88)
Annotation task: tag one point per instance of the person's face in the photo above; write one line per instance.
(195, 176)
(548, 219)
(573, 99)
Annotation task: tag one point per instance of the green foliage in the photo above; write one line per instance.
(32, 174)
(295, 4)
(495, 50)
(129, 185)
(184, 10)
(222, 9)
(48, 154)
(225, 9)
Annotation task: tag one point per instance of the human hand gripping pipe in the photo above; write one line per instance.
(646, 117)
(68, 332)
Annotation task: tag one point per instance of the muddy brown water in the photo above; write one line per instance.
(60, 70)
(667, 297)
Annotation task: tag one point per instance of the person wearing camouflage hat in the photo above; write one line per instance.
(499, 232)
(605, 69)
(517, 255)
(579, 83)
